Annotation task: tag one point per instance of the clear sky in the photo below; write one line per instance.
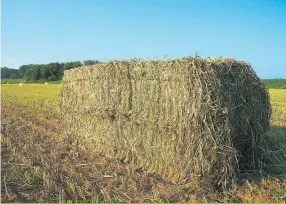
(44, 31)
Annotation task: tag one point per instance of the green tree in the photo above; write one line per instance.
(76, 64)
(55, 70)
(46, 72)
(28, 74)
(67, 66)
(90, 62)
(13, 76)
(35, 73)
(22, 70)
(7, 73)
(52, 71)
(52, 78)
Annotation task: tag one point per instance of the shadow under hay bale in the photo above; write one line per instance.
(187, 120)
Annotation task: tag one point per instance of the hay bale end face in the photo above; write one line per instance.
(186, 119)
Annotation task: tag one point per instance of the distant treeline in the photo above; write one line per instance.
(274, 83)
(8, 73)
(49, 72)
(54, 72)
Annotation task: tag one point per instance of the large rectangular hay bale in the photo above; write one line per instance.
(181, 119)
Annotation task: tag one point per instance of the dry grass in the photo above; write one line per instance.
(186, 120)
(37, 165)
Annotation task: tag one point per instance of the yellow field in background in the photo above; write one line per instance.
(278, 102)
(43, 97)
(32, 92)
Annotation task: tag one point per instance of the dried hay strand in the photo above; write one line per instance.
(187, 120)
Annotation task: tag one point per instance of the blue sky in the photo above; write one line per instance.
(44, 31)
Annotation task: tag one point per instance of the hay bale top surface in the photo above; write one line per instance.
(165, 61)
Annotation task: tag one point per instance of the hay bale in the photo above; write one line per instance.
(187, 119)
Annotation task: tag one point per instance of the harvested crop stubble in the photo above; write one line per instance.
(187, 120)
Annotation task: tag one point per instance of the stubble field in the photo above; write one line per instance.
(40, 164)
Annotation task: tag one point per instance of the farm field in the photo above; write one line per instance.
(17, 81)
(278, 101)
(39, 163)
